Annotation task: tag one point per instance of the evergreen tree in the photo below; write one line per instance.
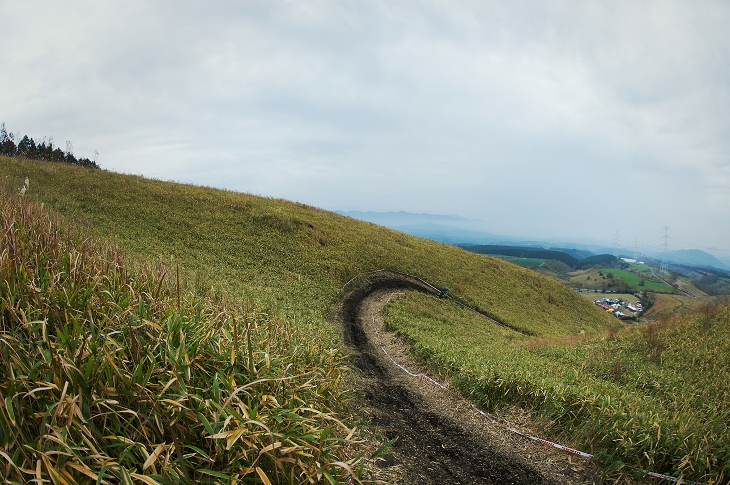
(28, 148)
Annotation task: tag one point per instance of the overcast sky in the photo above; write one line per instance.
(544, 119)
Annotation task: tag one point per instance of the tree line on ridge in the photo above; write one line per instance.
(44, 150)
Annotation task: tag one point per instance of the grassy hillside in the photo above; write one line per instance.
(668, 305)
(289, 262)
(110, 371)
(290, 257)
(652, 397)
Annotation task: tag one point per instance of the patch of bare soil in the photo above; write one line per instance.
(440, 438)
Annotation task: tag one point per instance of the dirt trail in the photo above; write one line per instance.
(440, 438)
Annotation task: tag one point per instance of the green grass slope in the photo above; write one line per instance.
(112, 373)
(289, 262)
(652, 397)
(293, 257)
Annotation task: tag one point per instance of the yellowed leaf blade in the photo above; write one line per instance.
(263, 476)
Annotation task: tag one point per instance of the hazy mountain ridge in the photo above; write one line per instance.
(402, 218)
(696, 257)
(457, 230)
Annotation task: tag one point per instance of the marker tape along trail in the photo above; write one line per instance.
(536, 439)
(434, 442)
(425, 377)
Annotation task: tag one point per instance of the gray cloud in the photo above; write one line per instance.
(542, 118)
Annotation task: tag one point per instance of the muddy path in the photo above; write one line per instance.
(440, 438)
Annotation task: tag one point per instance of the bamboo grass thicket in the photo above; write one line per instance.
(110, 374)
(654, 397)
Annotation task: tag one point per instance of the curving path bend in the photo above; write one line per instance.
(440, 439)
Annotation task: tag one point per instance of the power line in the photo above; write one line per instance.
(664, 266)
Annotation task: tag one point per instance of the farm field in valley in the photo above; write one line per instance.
(598, 278)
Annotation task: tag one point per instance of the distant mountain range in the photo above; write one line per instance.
(401, 218)
(458, 230)
(694, 257)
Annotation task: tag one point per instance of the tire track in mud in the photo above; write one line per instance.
(432, 447)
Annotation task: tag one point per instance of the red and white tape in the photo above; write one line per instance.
(421, 376)
(412, 374)
(672, 479)
(550, 443)
(534, 438)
